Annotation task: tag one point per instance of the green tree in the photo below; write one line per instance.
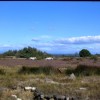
(26, 52)
(31, 52)
(10, 53)
(84, 53)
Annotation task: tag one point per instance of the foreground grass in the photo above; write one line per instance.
(26, 76)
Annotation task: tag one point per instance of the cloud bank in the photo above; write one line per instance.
(60, 45)
(73, 44)
(79, 40)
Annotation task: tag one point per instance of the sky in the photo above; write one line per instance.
(52, 26)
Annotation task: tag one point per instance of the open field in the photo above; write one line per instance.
(48, 80)
(27, 62)
(67, 62)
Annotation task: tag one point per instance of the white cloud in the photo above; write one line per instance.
(79, 40)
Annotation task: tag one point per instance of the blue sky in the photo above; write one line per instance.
(54, 27)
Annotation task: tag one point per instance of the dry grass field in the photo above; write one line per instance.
(33, 63)
(49, 77)
(55, 63)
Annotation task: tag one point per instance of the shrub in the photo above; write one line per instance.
(37, 70)
(84, 70)
(2, 72)
(94, 57)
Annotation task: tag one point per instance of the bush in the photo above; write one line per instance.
(84, 70)
(2, 72)
(37, 70)
(94, 57)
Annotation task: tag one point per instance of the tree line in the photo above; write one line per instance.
(26, 52)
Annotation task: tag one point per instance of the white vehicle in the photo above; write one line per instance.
(49, 58)
(32, 58)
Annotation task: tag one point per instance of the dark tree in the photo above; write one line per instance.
(26, 52)
(10, 53)
(31, 52)
(84, 53)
